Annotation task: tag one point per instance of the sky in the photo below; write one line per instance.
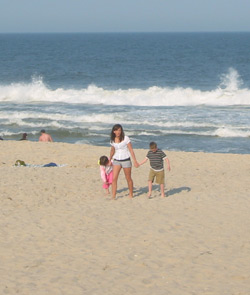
(31, 16)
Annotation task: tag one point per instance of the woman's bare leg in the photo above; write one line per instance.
(127, 172)
(116, 171)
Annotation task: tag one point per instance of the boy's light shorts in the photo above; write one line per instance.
(159, 175)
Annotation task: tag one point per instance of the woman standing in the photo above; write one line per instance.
(121, 151)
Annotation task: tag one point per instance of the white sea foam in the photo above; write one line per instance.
(227, 132)
(229, 92)
(21, 123)
(231, 81)
(11, 133)
(100, 122)
(18, 117)
(219, 132)
(182, 124)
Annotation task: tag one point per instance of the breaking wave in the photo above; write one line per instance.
(228, 92)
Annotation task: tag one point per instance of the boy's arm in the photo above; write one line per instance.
(168, 164)
(143, 162)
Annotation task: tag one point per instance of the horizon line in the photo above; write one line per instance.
(127, 32)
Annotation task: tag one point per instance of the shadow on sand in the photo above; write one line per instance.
(144, 190)
(174, 191)
(178, 190)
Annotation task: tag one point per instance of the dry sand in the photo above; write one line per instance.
(59, 234)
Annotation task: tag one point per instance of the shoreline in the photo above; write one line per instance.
(108, 146)
(61, 235)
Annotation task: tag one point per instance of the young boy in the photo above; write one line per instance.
(156, 158)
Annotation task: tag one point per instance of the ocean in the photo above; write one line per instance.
(185, 91)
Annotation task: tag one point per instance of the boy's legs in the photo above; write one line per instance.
(162, 190)
(150, 184)
(151, 177)
(160, 176)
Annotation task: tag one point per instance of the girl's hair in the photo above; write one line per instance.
(103, 160)
(116, 127)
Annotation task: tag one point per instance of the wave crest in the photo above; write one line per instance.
(227, 93)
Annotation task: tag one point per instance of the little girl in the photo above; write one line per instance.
(106, 170)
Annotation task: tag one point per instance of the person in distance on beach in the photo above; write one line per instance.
(156, 158)
(121, 151)
(24, 136)
(45, 137)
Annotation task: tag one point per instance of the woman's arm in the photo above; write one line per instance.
(130, 148)
(112, 152)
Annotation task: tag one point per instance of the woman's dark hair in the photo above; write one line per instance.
(116, 127)
(103, 160)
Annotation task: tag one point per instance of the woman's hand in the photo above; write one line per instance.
(136, 164)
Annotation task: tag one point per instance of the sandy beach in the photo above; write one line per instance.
(61, 235)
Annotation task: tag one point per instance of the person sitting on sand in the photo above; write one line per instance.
(24, 136)
(45, 137)
(156, 157)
